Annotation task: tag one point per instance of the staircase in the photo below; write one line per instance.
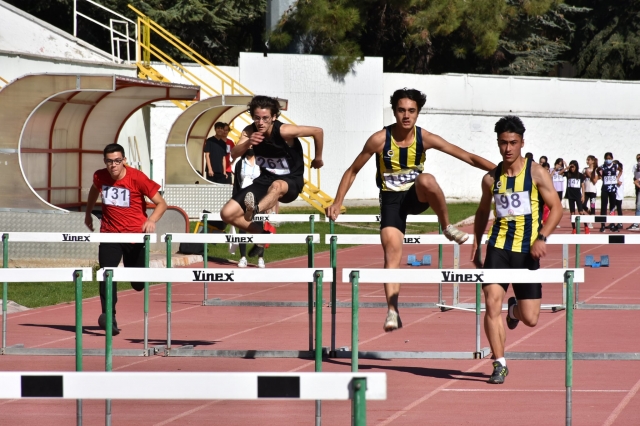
(311, 191)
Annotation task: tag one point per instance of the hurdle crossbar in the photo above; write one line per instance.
(271, 217)
(226, 275)
(604, 219)
(373, 218)
(81, 237)
(470, 276)
(357, 387)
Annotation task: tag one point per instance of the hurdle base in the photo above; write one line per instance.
(384, 305)
(188, 351)
(607, 306)
(413, 355)
(19, 349)
(471, 307)
(579, 356)
(256, 303)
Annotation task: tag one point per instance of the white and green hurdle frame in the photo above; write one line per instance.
(603, 239)
(205, 239)
(476, 277)
(357, 387)
(78, 238)
(226, 276)
(272, 218)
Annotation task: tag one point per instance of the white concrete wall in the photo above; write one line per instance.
(349, 110)
(565, 118)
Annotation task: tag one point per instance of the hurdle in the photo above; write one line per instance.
(600, 239)
(225, 275)
(466, 276)
(79, 238)
(358, 387)
(263, 217)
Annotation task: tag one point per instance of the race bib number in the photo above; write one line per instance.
(510, 205)
(401, 180)
(277, 166)
(558, 177)
(114, 196)
(610, 180)
(574, 183)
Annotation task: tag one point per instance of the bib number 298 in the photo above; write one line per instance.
(513, 204)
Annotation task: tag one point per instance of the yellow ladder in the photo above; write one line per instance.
(227, 85)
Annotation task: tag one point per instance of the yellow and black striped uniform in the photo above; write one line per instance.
(397, 168)
(516, 233)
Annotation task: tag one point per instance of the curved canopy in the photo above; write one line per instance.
(55, 126)
(192, 128)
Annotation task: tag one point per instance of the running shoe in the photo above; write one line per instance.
(511, 322)
(242, 263)
(634, 227)
(260, 263)
(251, 207)
(102, 323)
(573, 231)
(590, 225)
(393, 321)
(454, 234)
(499, 373)
(613, 228)
(602, 228)
(587, 230)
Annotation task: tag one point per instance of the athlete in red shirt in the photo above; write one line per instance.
(123, 211)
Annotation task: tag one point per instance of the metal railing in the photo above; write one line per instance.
(117, 37)
(228, 85)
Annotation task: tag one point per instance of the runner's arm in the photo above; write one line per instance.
(550, 197)
(149, 225)
(290, 131)
(481, 219)
(430, 140)
(243, 144)
(91, 203)
(374, 144)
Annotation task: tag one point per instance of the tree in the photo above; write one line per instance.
(217, 29)
(607, 42)
(424, 36)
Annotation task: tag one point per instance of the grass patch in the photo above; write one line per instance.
(457, 212)
(35, 295)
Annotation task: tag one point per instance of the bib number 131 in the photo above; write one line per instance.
(513, 204)
(114, 196)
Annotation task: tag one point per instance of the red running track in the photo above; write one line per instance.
(419, 391)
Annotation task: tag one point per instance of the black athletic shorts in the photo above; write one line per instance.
(395, 206)
(261, 184)
(506, 259)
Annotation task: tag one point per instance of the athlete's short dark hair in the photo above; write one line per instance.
(608, 154)
(511, 124)
(265, 102)
(413, 94)
(220, 125)
(113, 147)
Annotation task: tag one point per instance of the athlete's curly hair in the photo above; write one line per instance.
(264, 102)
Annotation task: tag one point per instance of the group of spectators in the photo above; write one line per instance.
(580, 187)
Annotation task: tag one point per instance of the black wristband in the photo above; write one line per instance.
(542, 238)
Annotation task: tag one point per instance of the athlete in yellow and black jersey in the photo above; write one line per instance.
(404, 187)
(518, 187)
